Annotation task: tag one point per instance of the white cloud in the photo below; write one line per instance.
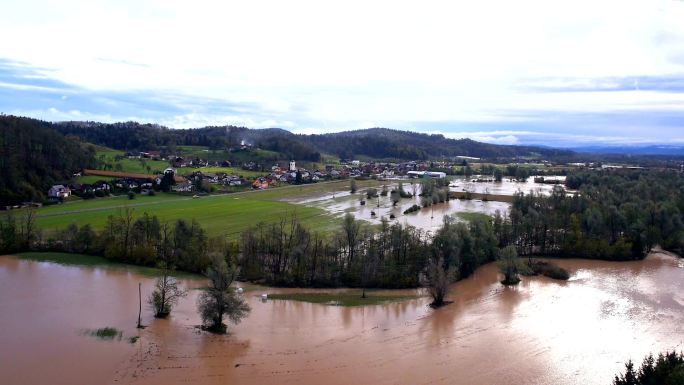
(325, 64)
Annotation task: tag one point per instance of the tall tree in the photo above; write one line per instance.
(219, 299)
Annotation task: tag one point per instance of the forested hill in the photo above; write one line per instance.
(388, 143)
(33, 156)
(374, 142)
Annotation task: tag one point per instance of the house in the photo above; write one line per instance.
(261, 183)
(101, 185)
(182, 187)
(59, 191)
(181, 162)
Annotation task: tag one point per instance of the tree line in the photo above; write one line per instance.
(615, 216)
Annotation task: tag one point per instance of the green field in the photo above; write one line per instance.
(138, 166)
(90, 179)
(257, 155)
(228, 170)
(227, 214)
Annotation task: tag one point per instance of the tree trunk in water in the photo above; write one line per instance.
(139, 304)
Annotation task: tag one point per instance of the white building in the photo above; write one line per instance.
(293, 167)
(428, 174)
(59, 191)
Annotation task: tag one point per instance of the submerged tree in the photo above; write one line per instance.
(219, 299)
(439, 277)
(165, 295)
(352, 186)
(395, 197)
(509, 265)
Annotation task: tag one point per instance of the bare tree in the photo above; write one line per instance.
(395, 197)
(219, 299)
(352, 230)
(166, 294)
(414, 187)
(28, 229)
(439, 278)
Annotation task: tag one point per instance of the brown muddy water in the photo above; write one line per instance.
(540, 332)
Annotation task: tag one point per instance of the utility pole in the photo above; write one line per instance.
(139, 304)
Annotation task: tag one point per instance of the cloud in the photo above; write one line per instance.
(560, 72)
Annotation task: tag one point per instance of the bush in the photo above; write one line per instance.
(131, 195)
(411, 209)
(547, 269)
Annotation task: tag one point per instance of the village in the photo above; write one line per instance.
(188, 175)
(194, 175)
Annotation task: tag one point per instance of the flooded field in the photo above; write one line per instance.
(428, 219)
(541, 332)
(505, 187)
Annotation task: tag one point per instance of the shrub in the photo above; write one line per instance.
(412, 209)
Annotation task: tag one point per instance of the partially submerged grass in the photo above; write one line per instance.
(106, 333)
(69, 259)
(468, 216)
(342, 299)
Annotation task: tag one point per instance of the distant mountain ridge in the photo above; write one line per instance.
(389, 143)
(673, 150)
(381, 143)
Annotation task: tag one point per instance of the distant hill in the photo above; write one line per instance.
(388, 143)
(33, 157)
(374, 142)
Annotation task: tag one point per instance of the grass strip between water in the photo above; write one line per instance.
(342, 299)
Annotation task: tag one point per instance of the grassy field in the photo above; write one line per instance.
(219, 155)
(467, 216)
(220, 215)
(227, 214)
(139, 166)
(228, 170)
(90, 179)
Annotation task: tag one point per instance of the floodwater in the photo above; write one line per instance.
(540, 332)
(505, 187)
(427, 219)
(374, 209)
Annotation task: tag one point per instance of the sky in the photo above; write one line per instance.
(561, 74)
